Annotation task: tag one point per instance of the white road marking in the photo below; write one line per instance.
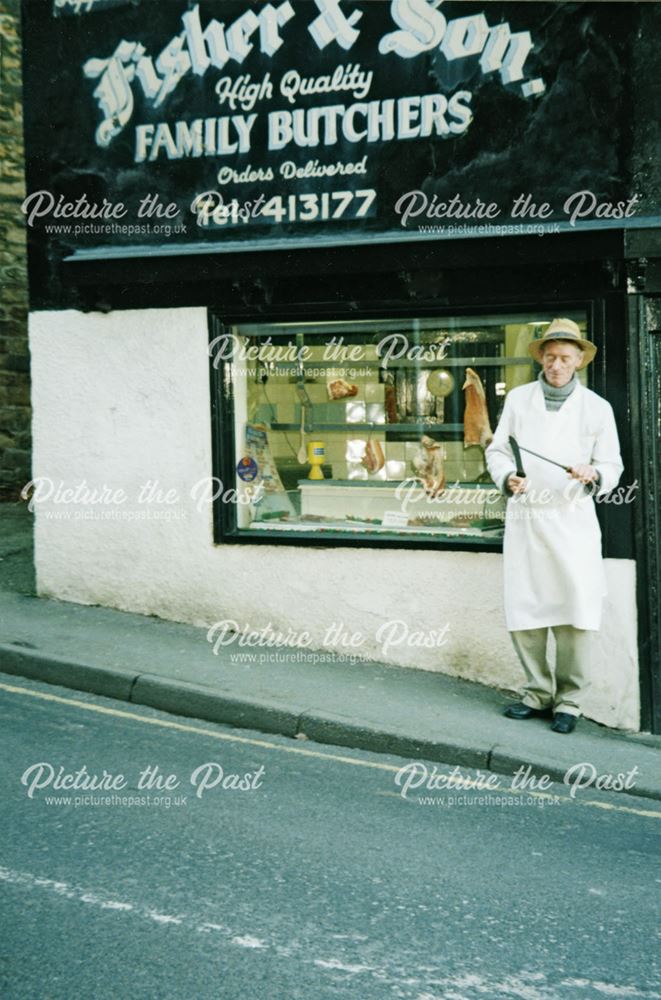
(248, 941)
(335, 963)
(609, 989)
(522, 986)
(163, 918)
(29, 881)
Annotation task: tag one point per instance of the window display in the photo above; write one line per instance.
(370, 427)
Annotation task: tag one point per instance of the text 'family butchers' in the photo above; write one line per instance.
(421, 27)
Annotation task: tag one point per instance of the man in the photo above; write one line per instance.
(554, 576)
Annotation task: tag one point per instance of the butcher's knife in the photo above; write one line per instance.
(517, 457)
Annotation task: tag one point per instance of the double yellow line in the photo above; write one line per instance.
(214, 734)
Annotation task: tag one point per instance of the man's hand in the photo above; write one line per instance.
(517, 484)
(584, 473)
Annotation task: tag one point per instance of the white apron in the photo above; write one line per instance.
(553, 565)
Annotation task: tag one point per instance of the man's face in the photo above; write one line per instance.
(560, 361)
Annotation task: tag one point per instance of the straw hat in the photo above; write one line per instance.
(562, 329)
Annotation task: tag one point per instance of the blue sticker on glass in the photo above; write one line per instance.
(247, 469)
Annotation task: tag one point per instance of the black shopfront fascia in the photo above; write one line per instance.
(591, 271)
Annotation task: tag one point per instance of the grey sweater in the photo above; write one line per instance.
(554, 397)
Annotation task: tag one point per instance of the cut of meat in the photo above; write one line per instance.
(373, 459)
(339, 389)
(428, 463)
(477, 429)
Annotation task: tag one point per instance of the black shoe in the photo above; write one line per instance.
(520, 711)
(563, 722)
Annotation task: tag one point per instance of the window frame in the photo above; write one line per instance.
(224, 458)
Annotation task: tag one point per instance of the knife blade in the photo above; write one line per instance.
(517, 456)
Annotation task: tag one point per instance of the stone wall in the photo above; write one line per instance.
(15, 414)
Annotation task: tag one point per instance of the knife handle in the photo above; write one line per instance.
(517, 457)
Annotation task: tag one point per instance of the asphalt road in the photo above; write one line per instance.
(320, 880)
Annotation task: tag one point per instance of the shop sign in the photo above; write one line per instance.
(289, 122)
(196, 49)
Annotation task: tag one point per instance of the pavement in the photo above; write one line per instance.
(371, 706)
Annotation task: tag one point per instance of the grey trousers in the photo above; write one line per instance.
(563, 688)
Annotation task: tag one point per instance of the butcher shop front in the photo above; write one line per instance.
(286, 264)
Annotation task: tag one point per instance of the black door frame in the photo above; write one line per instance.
(644, 340)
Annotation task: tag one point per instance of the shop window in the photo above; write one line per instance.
(370, 430)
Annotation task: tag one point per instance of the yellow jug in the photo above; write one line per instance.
(316, 458)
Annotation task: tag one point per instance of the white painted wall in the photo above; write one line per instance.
(123, 398)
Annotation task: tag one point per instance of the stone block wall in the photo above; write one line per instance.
(15, 415)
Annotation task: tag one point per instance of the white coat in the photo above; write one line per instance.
(552, 558)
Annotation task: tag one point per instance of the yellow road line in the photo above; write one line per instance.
(655, 814)
(623, 809)
(183, 727)
(340, 758)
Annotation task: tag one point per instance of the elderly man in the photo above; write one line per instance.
(554, 576)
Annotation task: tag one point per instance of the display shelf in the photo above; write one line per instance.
(479, 362)
(487, 487)
(363, 426)
(362, 499)
(341, 527)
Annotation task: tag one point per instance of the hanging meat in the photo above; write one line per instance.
(390, 400)
(477, 429)
(428, 463)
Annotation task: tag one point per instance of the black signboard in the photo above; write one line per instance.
(154, 125)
